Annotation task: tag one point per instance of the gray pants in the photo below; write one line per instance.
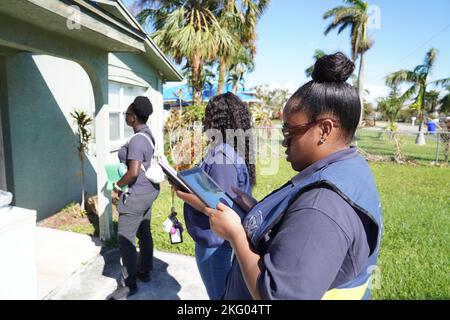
(134, 221)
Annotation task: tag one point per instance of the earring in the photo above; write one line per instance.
(322, 140)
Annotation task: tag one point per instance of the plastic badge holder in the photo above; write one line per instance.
(174, 228)
(176, 236)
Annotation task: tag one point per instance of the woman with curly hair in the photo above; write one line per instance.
(228, 162)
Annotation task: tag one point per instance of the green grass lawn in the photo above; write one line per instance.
(378, 143)
(415, 250)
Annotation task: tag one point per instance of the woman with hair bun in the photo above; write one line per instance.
(136, 203)
(318, 236)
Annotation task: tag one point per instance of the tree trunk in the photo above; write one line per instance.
(361, 75)
(420, 140)
(398, 157)
(236, 87)
(195, 81)
(83, 192)
(222, 71)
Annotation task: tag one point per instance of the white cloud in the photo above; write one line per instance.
(375, 91)
(291, 86)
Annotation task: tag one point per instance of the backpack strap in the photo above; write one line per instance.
(151, 143)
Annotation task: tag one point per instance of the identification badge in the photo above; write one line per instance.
(176, 235)
(174, 228)
(167, 225)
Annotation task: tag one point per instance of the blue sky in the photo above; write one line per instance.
(291, 30)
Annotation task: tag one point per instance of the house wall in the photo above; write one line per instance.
(42, 91)
(133, 69)
(43, 162)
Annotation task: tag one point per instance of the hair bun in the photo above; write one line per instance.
(333, 68)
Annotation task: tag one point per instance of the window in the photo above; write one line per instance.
(121, 95)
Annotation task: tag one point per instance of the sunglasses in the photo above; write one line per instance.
(291, 131)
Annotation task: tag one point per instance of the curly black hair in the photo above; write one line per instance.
(228, 112)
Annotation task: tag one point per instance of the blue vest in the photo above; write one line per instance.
(352, 179)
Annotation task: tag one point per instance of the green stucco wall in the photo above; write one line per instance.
(43, 163)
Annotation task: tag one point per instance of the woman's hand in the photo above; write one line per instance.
(116, 190)
(226, 223)
(191, 199)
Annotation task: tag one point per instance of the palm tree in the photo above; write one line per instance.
(187, 29)
(418, 78)
(230, 20)
(353, 16)
(240, 64)
(390, 107)
(317, 55)
(82, 121)
(206, 76)
(431, 101)
(239, 18)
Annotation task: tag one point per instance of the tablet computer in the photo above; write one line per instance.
(172, 175)
(204, 187)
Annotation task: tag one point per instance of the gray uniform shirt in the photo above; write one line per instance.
(139, 148)
(319, 244)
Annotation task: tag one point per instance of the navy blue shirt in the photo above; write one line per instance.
(319, 244)
(227, 169)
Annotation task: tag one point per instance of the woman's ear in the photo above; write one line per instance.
(326, 127)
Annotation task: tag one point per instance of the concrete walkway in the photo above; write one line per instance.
(72, 266)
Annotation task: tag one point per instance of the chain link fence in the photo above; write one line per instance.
(382, 142)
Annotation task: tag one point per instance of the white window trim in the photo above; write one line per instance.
(115, 145)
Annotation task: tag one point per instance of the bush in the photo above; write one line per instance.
(181, 144)
(405, 115)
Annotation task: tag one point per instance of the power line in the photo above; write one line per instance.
(419, 47)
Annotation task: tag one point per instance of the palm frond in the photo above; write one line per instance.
(440, 82)
(430, 58)
(401, 76)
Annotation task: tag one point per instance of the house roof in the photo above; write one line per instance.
(112, 30)
(153, 52)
